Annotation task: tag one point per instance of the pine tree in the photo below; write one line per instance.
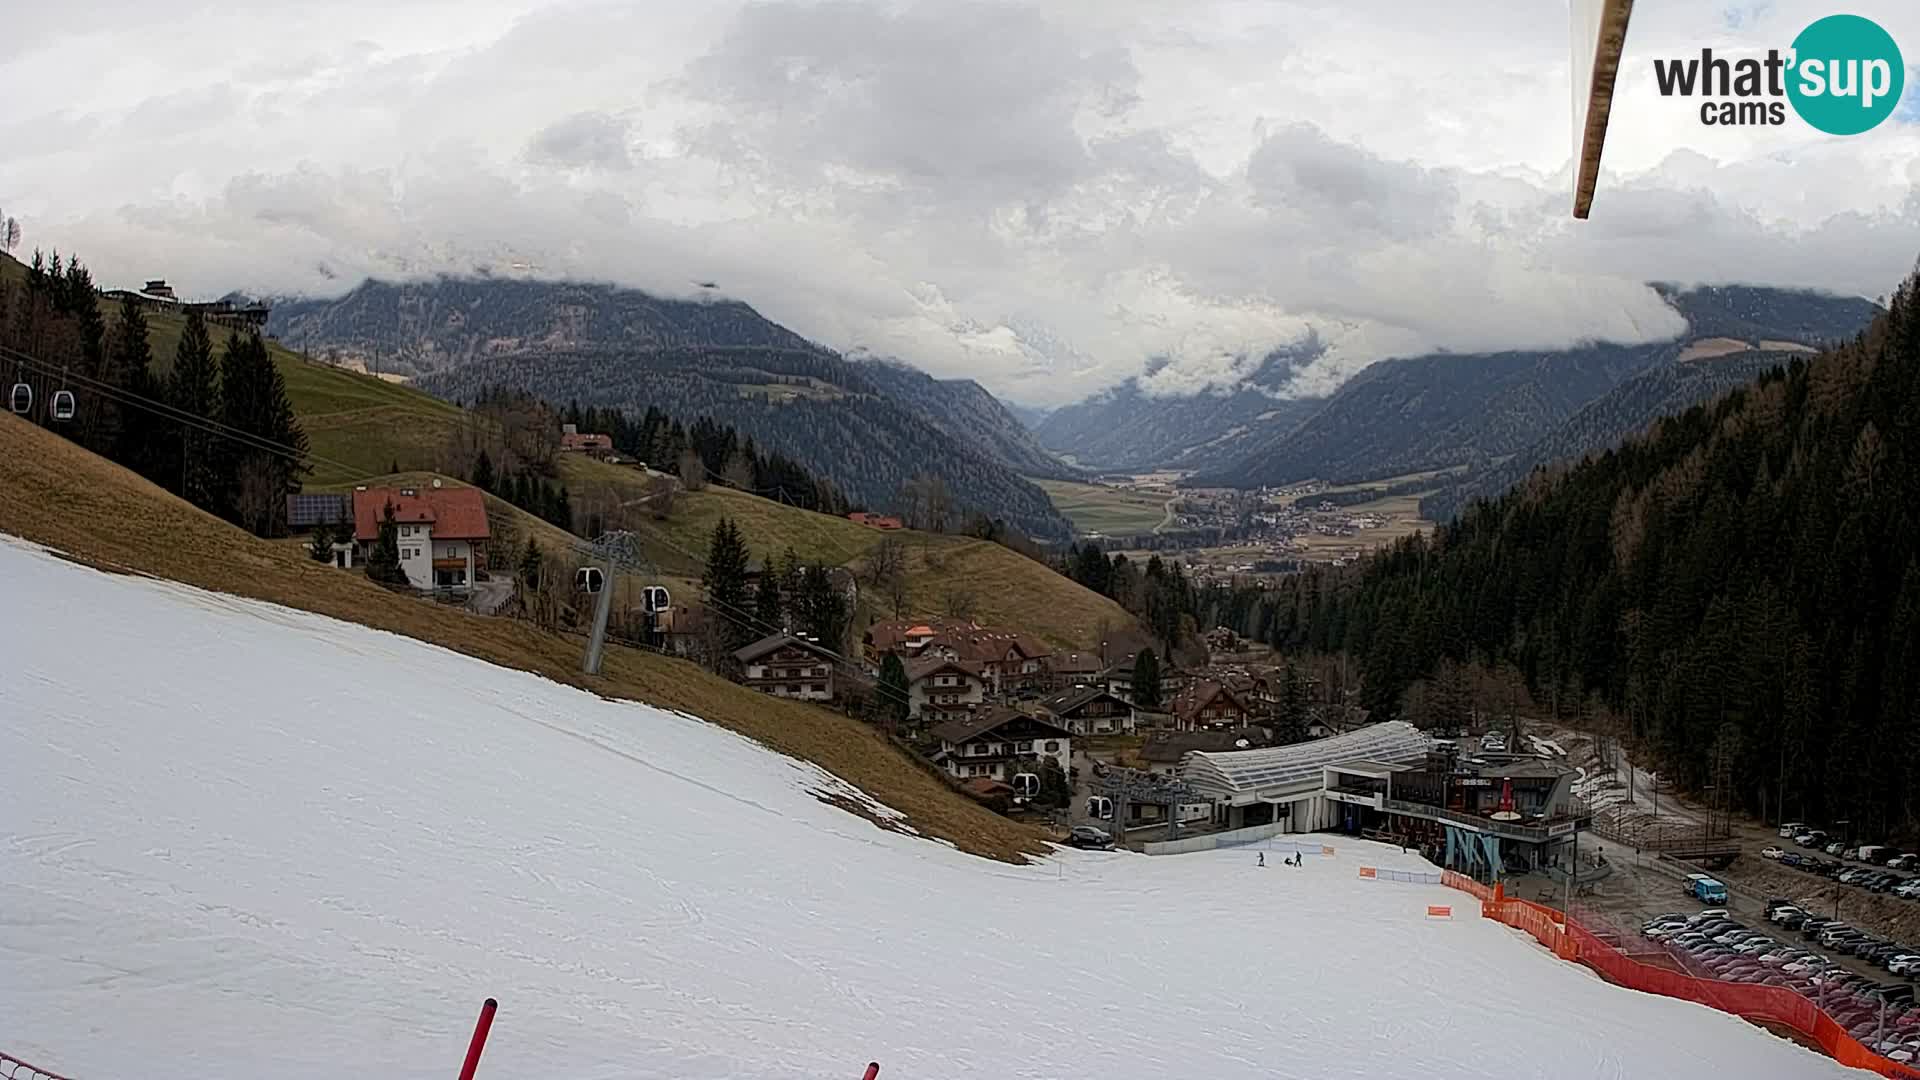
(254, 399)
(483, 472)
(891, 697)
(1290, 717)
(193, 387)
(383, 562)
(725, 581)
(527, 574)
(824, 608)
(1146, 680)
(140, 442)
(790, 581)
(320, 548)
(768, 612)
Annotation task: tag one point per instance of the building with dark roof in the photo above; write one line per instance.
(1000, 743)
(1206, 703)
(939, 689)
(1009, 661)
(783, 665)
(1089, 710)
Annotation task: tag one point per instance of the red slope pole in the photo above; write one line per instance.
(873, 1070)
(479, 1039)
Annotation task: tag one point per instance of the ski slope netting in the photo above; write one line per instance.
(244, 841)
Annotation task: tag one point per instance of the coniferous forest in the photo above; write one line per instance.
(216, 429)
(1740, 584)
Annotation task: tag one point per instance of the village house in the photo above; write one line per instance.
(1089, 710)
(442, 531)
(1205, 704)
(874, 521)
(999, 744)
(573, 441)
(1164, 750)
(1008, 662)
(1071, 669)
(786, 666)
(938, 688)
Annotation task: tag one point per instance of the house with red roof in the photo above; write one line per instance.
(575, 441)
(442, 531)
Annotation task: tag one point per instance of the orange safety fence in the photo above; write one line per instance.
(1569, 940)
(1455, 880)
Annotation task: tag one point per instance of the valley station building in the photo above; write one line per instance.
(1486, 817)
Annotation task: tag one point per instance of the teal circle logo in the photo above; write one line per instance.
(1847, 75)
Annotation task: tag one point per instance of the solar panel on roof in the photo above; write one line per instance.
(306, 510)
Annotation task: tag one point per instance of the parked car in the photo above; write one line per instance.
(1086, 836)
(1836, 847)
(1878, 854)
(1773, 853)
(1791, 829)
(1908, 861)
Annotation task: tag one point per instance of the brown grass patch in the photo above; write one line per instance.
(96, 512)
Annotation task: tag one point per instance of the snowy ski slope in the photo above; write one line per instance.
(242, 841)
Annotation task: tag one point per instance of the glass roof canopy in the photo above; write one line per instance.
(1246, 771)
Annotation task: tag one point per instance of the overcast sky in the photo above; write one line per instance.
(1042, 196)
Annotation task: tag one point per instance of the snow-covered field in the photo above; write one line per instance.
(240, 841)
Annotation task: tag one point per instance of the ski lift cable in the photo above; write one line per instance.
(140, 401)
(262, 443)
(747, 620)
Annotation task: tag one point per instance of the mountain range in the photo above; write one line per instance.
(1129, 428)
(869, 425)
(1470, 412)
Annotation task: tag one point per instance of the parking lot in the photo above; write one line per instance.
(1796, 950)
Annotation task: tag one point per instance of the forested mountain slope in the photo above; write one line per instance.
(869, 445)
(1626, 410)
(965, 410)
(608, 346)
(1742, 583)
(1436, 411)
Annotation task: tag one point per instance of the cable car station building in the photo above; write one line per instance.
(1493, 815)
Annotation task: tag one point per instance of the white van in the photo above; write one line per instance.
(1794, 828)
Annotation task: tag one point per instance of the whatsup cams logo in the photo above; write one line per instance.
(1843, 75)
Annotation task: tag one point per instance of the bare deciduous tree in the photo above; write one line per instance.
(939, 501)
(661, 492)
(887, 560)
(958, 602)
(693, 471)
(739, 473)
(259, 494)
